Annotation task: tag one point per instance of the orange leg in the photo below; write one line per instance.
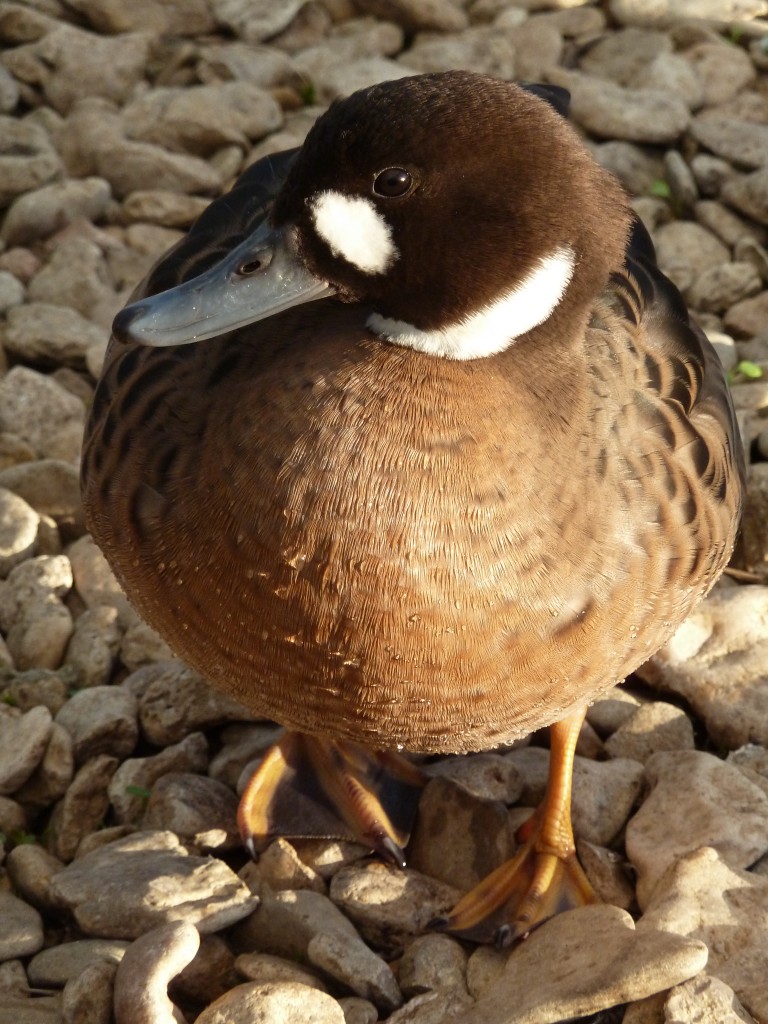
(312, 787)
(544, 877)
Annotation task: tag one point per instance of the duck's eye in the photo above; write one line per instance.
(393, 182)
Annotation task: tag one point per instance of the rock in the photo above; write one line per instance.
(538, 984)
(680, 179)
(11, 292)
(263, 968)
(52, 777)
(43, 332)
(486, 776)
(273, 1003)
(608, 873)
(203, 118)
(27, 159)
(481, 49)
(704, 898)
(255, 20)
(286, 922)
(175, 701)
(349, 962)
(640, 12)
(705, 1000)
(101, 720)
(716, 661)
(746, 319)
(609, 713)
(721, 809)
(93, 143)
(113, 17)
(134, 884)
(755, 521)
(145, 971)
(670, 72)
(197, 809)
(53, 967)
(41, 412)
(742, 143)
(44, 211)
(622, 55)
(21, 928)
(9, 91)
(132, 783)
(333, 79)
(242, 745)
(458, 838)
(749, 194)
(722, 69)
(160, 206)
(23, 739)
(358, 1011)
(432, 963)
(31, 869)
(70, 64)
(50, 486)
(390, 905)
(636, 168)
(653, 727)
(40, 625)
(208, 975)
(685, 250)
(418, 15)
(76, 276)
(82, 808)
(281, 868)
(89, 995)
(611, 111)
(94, 645)
(18, 531)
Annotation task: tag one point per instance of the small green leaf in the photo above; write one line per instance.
(660, 189)
(749, 369)
(8, 698)
(308, 94)
(141, 791)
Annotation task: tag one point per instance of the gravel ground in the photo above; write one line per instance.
(124, 893)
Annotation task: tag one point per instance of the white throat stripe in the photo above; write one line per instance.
(355, 230)
(495, 327)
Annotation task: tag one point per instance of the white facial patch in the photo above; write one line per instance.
(355, 230)
(495, 327)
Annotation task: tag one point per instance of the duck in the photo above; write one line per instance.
(410, 446)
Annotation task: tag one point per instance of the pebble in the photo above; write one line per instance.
(101, 720)
(263, 968)
(716, 661)
(724, 810)
(89, 996)
(432, 963)
(31, 869)
(114, 892)
(54, 967)
(197, 809)
(703, 897)
(705, 1000)
(272, 1003)
(280, 867)
(351, 964)
(146, 969)
(21, 928)
(18, 531)
(53, 775)
(653, 727)
(43, 332)
(132, 783)
(83, 807)
(27, 158)
(93, 646)
(23, 741)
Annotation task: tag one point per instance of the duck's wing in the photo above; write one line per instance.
(222, 225)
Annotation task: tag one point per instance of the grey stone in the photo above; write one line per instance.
(723, 70)
(749, 194)
(273, 1003)
(662, 15)
(88, 997)
(478, 49)
(255, 20)
(23, 739)
(101, 720)
(41, 412)
(113, 17)
(94, 645)
(203, 118)
(83, 807)
(27, 158)
(21, 928)
(685, 250)
(18, 531)
(197, 809)
(149, 965)
(264, 968)
(742, 143)
(418, 15)
(50, 780)
(53, 967)
(720, 287)
(41, 212)
(133, 781)
(11, 291)
(161, 206)
(349, 962)
(41, 331)
(653, 727)
(721, 809)
(134, 884)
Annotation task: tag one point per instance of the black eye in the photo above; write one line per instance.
(393, 182)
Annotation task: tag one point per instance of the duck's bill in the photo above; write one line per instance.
(258, 279)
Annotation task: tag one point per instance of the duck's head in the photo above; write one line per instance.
(464, 211)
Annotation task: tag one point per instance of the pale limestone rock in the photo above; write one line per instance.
(23, 741)
(136, 883)
(146, 969)
(53, 775)
(31, 869)
(27, 158)
(208, 975)
(101, 720)
(88, 997)
(478, 49)
(272, 1003)
(705, 1000)
(82, 808)
(685, 250)
(486, 776)
(42, 331)
(716, 661)
(41, 212)
(199, 810)
(18, 531)
(21, 928)
(352, 964)
(76, 276)
(418, 15)
(280, 867)
(696, 800)
(264, 968)
(702, 897)
(40, 411)
(53, 967)
(93, 647)
(654, 727)
(133, 781)
(431, 963)
(722, 69)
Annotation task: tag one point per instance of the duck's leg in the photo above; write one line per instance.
(308, 786)
(544, 877)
